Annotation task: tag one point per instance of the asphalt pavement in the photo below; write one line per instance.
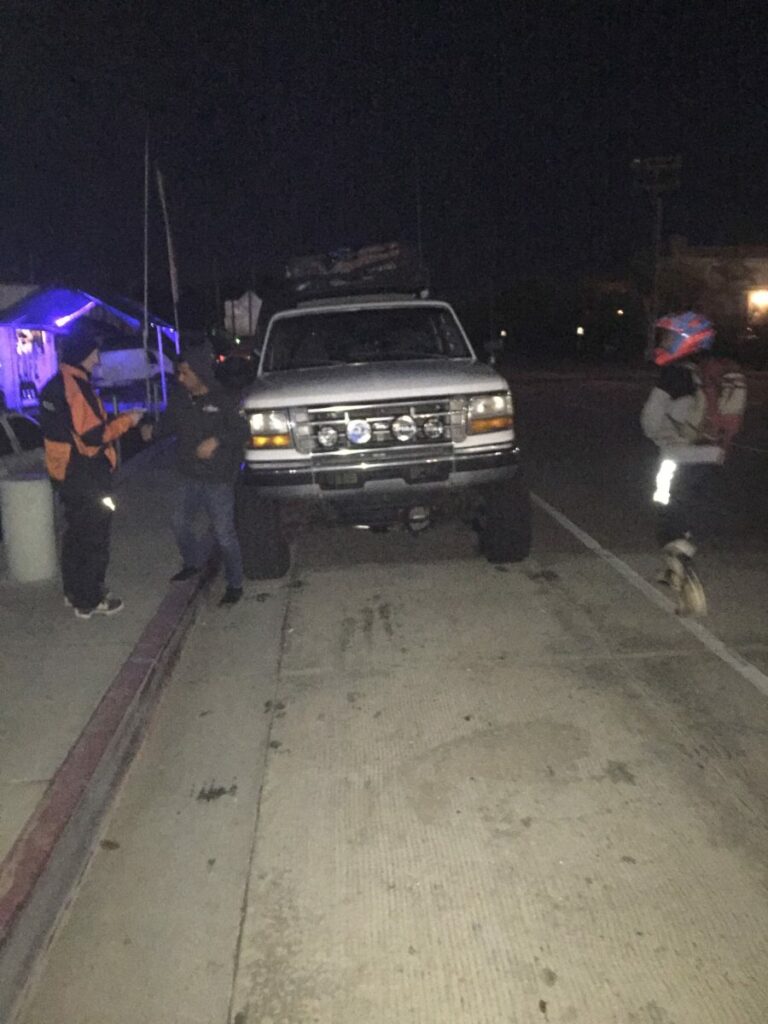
(404, 784)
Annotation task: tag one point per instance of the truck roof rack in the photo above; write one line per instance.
(363, 299)
(373, 269)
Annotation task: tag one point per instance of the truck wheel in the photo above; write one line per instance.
(505, 533)
(265, 551)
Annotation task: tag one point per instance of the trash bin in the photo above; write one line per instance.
(29, 535)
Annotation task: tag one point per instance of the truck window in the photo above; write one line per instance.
(363, 336)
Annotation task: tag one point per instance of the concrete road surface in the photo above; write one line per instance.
(406, 785)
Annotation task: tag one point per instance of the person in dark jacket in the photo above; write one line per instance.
(80, 458)
(210, 438)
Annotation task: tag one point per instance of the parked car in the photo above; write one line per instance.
(236, 368)
(21, 444)
(378, 411)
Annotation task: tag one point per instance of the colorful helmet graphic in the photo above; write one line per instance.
(681, 334)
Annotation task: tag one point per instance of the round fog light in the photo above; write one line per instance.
(433, 429)
(404, 428)
(359, 431)
(327, 437)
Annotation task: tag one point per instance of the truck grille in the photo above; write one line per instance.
(382, 425)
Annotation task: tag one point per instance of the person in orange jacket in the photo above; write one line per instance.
(80, 458)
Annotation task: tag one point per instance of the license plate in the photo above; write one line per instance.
(427, 474)
(341, 478)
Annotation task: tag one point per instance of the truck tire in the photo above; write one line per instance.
(505, 531)
(265, 551)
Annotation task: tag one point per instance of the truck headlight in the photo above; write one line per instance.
(487, 413)
(270, 428)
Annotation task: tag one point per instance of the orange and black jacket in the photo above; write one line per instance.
(76, 429)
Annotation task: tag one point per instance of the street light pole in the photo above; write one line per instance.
(419, 209)
(656, 175)
(657, 236)
(145, 324)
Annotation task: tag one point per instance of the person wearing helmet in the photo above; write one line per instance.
(689, 462)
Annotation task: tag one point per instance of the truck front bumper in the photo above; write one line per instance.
(397, 476)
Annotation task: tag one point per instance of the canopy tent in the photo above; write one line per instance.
(28, 329)
(52, 309)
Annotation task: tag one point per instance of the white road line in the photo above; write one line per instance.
(731, 658)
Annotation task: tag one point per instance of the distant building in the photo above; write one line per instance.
(728, 282)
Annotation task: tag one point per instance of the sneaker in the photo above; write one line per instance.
(231, 596)
(693, 600)
(185, 573)
(108, 606)
(69, 603)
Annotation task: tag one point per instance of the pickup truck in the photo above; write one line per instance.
(377, 410)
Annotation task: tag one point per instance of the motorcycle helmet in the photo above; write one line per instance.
(679, 335)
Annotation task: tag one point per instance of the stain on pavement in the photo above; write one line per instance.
(214, 792)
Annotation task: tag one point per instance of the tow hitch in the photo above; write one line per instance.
(418, 518)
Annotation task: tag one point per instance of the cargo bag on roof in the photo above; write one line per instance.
(374, 268)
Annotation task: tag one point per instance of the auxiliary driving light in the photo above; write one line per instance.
(433, 429)
(327, 437)
(359, 431)
(404, 428)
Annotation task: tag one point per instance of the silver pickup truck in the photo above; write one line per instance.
(377, 410)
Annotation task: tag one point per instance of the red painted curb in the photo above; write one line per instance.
(26, 861)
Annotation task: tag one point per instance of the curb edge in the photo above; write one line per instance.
(55, 846)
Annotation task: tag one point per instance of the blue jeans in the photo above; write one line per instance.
(218, 502)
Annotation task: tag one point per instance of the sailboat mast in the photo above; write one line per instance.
(145, 331)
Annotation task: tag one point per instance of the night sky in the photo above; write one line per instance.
(286, 127)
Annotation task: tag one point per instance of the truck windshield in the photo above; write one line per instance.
(363, 336)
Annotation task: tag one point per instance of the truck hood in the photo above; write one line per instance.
(372, 382)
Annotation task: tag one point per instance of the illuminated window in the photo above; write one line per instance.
(758, 303)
